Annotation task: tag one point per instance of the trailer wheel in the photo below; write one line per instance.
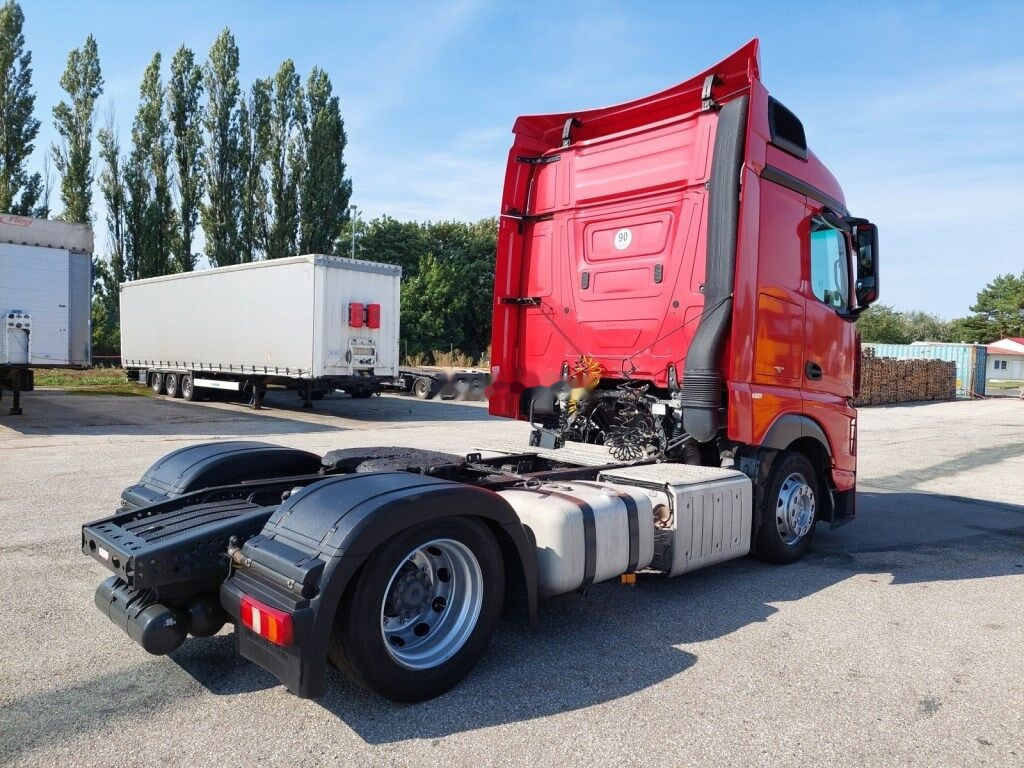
(359, 392)
(171, 385)
(156, 383)
(188, 391)
(422, 387)
(422, 611)
(789, 509)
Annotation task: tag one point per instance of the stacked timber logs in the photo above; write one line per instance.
(886, 380)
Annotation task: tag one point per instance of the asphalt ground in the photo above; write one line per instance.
(899, 640)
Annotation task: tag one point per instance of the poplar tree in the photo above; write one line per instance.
(219, 215)
(253, 130)
(151, 217)
(19, 191)
(74, 120)
(286, 160)
(184, 90)
(325, 192)
(112, 187)
(110, 273)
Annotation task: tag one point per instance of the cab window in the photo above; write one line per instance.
(830, 279)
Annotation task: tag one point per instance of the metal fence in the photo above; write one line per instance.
(971, 361)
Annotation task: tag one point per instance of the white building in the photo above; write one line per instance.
(1006, 359)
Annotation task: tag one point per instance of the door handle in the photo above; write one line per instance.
(812, 370)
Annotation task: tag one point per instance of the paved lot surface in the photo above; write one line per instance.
(898, 641)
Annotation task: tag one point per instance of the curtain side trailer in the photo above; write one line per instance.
(676, 283)
(45, 299)
(310, 323)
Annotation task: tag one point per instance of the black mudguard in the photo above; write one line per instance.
(315, 543)
(209, 464)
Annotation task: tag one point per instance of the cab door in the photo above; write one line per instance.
(828, 336)
(827, 375)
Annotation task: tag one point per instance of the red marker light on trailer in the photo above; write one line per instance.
(269, 623)
(355, 315)
(373, 315)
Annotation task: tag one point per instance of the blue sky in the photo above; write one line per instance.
(918, 108)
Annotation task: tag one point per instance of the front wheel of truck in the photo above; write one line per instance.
(422, 611)
(788, 509)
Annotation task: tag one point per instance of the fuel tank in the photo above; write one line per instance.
(585, 532)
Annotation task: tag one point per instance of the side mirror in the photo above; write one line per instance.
(864, 235)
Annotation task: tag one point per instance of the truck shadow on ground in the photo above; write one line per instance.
(59, 413)
(53, 412)
(387, 408)
(612, 643)
(619, 640)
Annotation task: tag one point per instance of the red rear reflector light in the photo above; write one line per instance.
(355, 314)
(269, 623)
(373, 315)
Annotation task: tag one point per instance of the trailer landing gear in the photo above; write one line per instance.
(15, 383)
(258, 391)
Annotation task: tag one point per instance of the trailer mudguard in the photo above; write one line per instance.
(313, 546)
(210, 464)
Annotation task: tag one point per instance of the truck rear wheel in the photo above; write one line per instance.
(423, 610)
(171, 385)
(156, 382)
(788, 509)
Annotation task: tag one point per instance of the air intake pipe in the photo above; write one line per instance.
(702, 378)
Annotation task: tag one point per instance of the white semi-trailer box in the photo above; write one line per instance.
(45, 297)
(312, 323)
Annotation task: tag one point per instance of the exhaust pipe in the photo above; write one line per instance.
(701, 393)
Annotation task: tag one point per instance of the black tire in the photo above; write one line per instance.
(422, 387)
(186, 388)
(776, 503)
(357, 646)
(360, 394)
(171, 385)
(156, 383)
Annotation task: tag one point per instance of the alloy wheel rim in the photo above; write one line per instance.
(432, 604)
(794, 508)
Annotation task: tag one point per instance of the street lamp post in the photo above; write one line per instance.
(353, 216)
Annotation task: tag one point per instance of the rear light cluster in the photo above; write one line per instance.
(360, 315)
(269, 623)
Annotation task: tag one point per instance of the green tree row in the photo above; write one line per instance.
(448, 279)
(997, 313)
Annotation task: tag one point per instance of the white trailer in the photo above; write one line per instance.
(45, 297)
(310, 323)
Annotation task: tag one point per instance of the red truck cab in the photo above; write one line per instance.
(678, 277)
